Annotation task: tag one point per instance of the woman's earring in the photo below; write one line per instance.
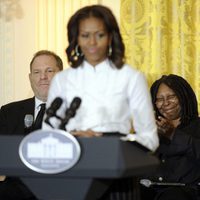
(77, 53)
(110, 51)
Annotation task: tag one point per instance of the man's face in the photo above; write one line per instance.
(42, 71)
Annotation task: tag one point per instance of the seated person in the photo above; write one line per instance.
(43, 66)
(178, 125)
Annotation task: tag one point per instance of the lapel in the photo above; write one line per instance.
(28, 107)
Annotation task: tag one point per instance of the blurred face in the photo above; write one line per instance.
(93, 40)
(168, 103)
(42, 71)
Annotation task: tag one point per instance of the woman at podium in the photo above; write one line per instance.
(101, 93)
(114, 96)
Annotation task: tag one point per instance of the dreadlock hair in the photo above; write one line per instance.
(184, 93)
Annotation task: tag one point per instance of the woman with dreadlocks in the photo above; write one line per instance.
(176, 112)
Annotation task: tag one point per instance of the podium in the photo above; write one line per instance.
(102, 160)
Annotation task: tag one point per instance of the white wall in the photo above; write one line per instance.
(17, 36)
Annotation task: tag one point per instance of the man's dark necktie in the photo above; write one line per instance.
(39, 118)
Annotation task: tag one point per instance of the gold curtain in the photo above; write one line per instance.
(51, 21)
(163, 37)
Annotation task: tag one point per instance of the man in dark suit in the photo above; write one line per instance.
(12, 116)
(43, 66)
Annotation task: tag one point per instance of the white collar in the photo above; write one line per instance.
(100, 66)
(38, 102)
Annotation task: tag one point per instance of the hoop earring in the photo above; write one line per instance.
(110, 51)
(77, 53)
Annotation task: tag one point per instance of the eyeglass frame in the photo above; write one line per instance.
(172, 98)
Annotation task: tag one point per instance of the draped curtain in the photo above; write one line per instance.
(163, 37)
(51, 21)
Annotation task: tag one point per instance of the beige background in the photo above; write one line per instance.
(27, 26)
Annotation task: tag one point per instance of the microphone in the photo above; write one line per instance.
(51, 111)
(70, 112)
(148, 183)
(28, 122)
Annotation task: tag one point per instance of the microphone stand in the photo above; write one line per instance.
(69, 114)
(48, 118)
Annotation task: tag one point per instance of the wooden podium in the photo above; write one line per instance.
(103, 160)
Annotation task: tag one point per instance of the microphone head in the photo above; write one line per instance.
(55, 105)
(28, 120)
(70, 112)
(146, 182)
(76, 102)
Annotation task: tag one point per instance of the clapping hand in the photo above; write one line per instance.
(165, 127)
